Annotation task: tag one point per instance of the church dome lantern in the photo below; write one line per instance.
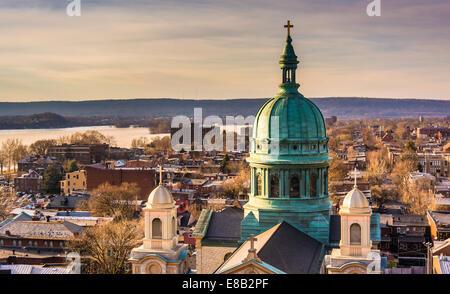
(289, 125)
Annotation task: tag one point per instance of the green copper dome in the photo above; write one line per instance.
(288, 161)
(298, 118)
(289, 125)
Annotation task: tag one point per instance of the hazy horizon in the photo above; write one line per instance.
(216, 50)
(206, 99)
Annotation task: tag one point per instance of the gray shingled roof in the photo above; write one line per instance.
(225, 225)
(72, 202)
(292, 251)
(41, 229)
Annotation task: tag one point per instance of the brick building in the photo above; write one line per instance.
(97, 175)
(36, 163)
(434, 132)
(74, 181)
(28, 183)
(83, 153)
(404, 237)
(139, 163)
(435, 164)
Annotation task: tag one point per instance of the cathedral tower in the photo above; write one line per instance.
(288, 160)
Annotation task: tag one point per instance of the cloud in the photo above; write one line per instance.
(221, 49)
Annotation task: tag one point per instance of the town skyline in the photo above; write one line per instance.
(212, 50)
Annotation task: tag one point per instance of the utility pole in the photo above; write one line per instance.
(429, 260)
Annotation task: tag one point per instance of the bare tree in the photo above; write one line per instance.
(377, 167)
(238, 185)
(107, 247)
(41, 147)
(418, 195)
(6, 204)
(14, 150)
(20, 151)
(3, 160)
(114, 201)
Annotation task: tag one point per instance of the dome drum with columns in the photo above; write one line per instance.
(288, 160)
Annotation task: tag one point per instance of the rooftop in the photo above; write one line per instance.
(41, 229)
(283, 247)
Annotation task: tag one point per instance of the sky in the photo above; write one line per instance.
(211, 49)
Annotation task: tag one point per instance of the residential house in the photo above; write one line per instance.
(28, 183)
(439, 224)
(74, 181)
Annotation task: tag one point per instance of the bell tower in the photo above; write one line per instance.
(355, 224)
(160, 220)
(355, 254)
(160, 251)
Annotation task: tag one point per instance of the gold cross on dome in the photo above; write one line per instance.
(289, 26)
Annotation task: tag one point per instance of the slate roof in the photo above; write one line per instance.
(283, 247)
(225, 225)
(72, 201)
(42, 229)
(24, 269)
(20, 217)
(441, 219)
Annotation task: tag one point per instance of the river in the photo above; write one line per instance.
(122, 136)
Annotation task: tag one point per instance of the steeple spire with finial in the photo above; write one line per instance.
(288, 62)
(160, 175)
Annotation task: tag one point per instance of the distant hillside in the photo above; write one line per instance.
(41, 120)
(341, 107)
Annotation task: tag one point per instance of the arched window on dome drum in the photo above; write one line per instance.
(259, 183)
(313, 183)
(294, 187)
(355, 234)
(156, 229)
(274, 186)
(174, 226)
(325, 183)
